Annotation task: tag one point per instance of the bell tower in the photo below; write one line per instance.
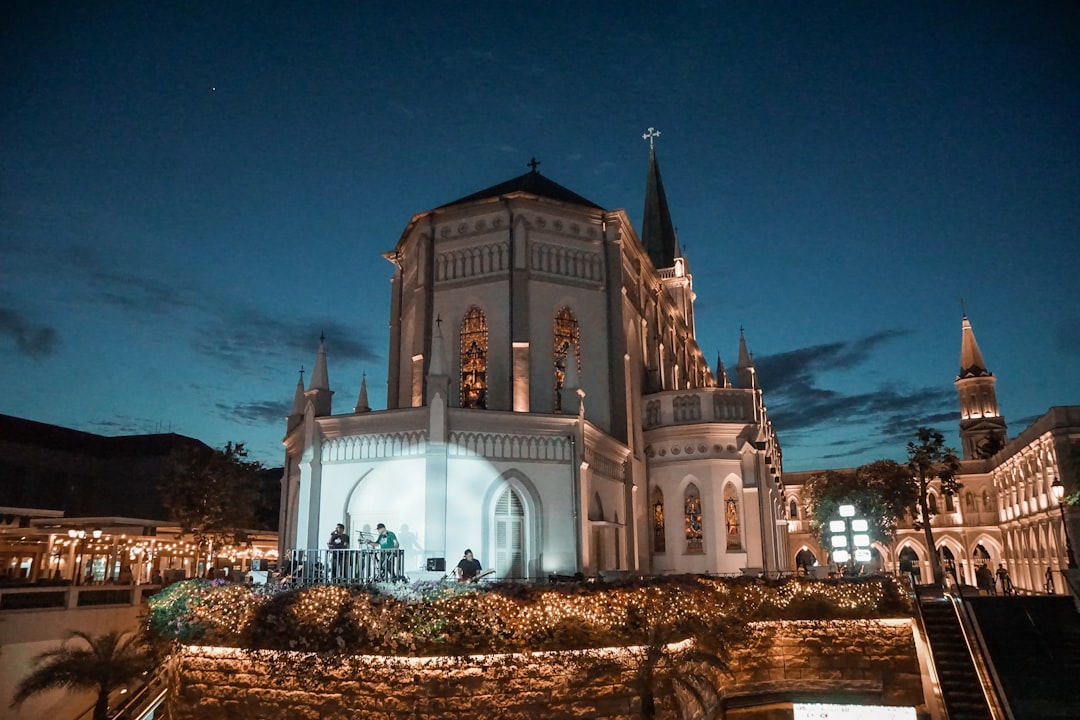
(982, 427)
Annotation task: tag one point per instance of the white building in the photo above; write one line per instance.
(548, 404)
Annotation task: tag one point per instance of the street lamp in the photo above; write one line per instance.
(848, 535)
(1058, 488)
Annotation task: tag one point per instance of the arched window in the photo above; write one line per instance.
(793, 510)
(566, 336)
(474, 346)
(659, 544)
(950, 505)
(509, 535)
(909, 561)
(692, 513)
(931, 502)
(986, 501)
(969, 501)
(732, 527)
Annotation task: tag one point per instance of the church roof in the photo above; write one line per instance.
(971, 359)
(532, 183)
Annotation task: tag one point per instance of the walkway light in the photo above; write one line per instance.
(1058, 488)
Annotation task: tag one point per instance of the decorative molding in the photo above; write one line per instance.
(493, 258)
(605, 465)
(506, 446)
(373, 447)
(568, 262)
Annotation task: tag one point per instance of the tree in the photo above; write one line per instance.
(108, 662)
(213, 495)
(930, 458)
(881, 491)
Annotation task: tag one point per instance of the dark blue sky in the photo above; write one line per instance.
(191, 193)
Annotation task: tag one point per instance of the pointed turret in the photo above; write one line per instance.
(362, 401)
(437, 379)
(299, 402)
(745, 369)
(982, 428)
(319, 390)
(722, 379)
(657, 231)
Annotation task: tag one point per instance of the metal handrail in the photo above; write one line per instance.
(984, 666)
(354, 566)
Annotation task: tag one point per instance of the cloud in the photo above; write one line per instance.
(255, 414)
(37, 341)
(800, 405)
(249, 338)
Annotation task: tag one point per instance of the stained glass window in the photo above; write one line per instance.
(566, 336)
(659, 544)
(692, 512)
(474, 346)
(731, 520)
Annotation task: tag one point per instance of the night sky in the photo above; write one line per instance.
(190, 193)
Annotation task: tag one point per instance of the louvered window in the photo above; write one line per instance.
(509, 536)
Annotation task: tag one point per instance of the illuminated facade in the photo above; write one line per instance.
(1004, 514)
(548, 404)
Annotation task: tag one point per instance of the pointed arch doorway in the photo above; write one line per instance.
(509, 526)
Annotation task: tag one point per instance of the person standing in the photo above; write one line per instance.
(1004, 580)
(338, 542)
(467, 568)
(385, 541)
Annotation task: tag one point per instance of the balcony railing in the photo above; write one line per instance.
(343, 567)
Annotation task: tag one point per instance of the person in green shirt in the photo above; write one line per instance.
(385, 542)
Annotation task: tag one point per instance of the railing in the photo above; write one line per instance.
(70, 597)
(343, 567)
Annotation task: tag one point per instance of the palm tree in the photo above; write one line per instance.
(110, 661)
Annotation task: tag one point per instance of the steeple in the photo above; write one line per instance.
(721, 374)
(437, 379)
(982, 428)
(657, 231)
(745, 368)
(362, 401)
(319, 390)
(299, 402)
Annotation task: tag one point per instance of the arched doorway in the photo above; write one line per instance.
(909, 562)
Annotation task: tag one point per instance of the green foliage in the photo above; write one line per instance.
(882, 492)
(213, 495)
(105, 663)
(929, 458)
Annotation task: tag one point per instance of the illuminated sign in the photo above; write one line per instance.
(826, 711)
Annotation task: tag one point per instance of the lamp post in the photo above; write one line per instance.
(850, 537)
(1058, 488)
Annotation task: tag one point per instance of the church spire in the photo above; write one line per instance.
(362, 401)
(299, 402)
(745, 368)
(722, 379)
(657, 231)
(982, 428)
(319, 390)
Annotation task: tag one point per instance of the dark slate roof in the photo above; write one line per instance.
(30, 432)
(657, 230)
(532, 183)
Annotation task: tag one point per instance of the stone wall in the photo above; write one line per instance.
(870, 661)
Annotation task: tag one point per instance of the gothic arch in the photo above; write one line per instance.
(693, 520)
(596, 508)
(657, 522)
(532, 512)
(473, 352)
(566, 335)
(733, 522)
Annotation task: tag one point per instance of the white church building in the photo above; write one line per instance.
(548, 404)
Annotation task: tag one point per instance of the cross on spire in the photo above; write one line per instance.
(651, 135)
(534, 163)
(963, 307)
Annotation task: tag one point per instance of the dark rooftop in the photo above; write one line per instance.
(532, 183)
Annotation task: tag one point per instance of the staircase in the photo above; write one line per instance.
(961, 688)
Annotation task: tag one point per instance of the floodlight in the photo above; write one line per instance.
(861, 540)
(847, 510)
(841, 556)
(839, 541)
(860, 525)
(837, 526)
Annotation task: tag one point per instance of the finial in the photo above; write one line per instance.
(322, 337)
(650, 135)
(438, 320)
(301, 372)
(963, 307)
(534, 163)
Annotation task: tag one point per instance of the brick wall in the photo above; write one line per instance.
(872, 661)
